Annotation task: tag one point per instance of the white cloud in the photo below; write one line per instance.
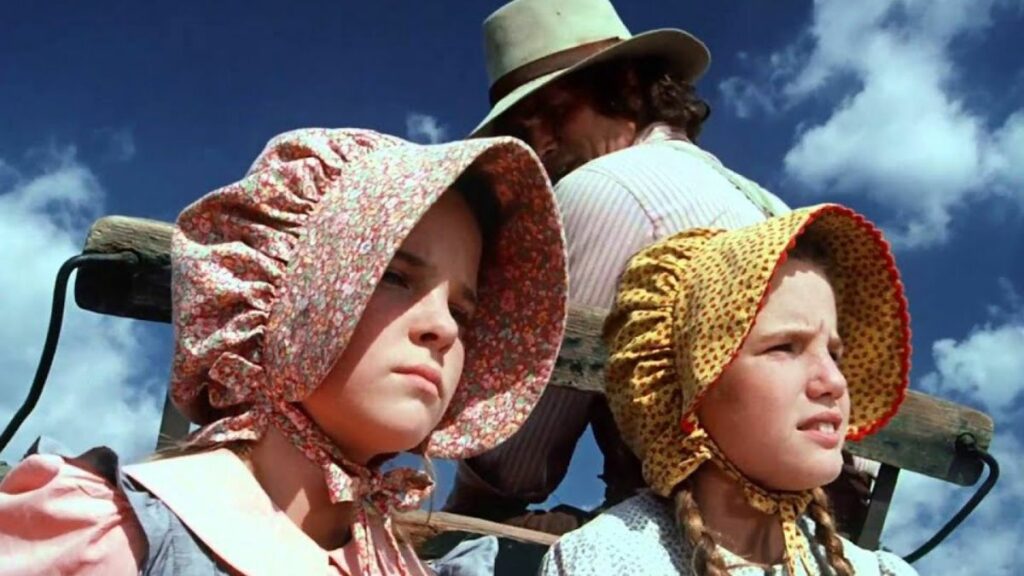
(424, 128)
(1004, 162)
(119, 143)
(94, 395)
(899, 131)
(745, 98)
(986, 366)
(985, 369)
(987, 543)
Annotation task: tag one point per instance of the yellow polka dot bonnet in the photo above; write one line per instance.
(686, 304)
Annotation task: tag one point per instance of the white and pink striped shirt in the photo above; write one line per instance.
(612, 207)
(616, 204)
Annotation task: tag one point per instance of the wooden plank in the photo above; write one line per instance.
(422, 525)
(142, 292)
(921, 437)
(174, 426)
(582, 358)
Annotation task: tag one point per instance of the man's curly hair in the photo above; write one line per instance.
(644, 90)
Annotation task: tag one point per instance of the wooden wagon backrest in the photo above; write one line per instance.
(921, 438)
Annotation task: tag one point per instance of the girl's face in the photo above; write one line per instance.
(392, 384)
(780, 410)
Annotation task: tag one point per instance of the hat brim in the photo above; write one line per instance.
(685, 54)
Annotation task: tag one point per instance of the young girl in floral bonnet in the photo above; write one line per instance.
(353, 297)
(740, 362)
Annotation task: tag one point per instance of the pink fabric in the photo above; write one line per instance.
(321, 213)
(57, 518)
(244, 528)
(270, 276)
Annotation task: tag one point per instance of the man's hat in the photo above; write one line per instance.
(530, 43)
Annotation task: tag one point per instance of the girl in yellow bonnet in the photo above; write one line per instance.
(354, 296)
(740, 363)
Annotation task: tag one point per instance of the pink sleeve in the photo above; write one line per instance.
(57, 518)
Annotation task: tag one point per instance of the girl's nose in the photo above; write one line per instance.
(828, 379)
(433, 325)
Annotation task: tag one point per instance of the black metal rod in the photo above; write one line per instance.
(53, 333)
(965, 444)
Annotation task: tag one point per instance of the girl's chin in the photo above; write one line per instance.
(405, 438)
(809, 478)
(804, 474)
(402, 427)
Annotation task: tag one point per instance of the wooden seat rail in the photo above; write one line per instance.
(921, 438)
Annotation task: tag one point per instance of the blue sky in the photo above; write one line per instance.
(910, 111)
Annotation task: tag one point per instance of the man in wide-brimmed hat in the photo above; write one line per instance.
(614, 117)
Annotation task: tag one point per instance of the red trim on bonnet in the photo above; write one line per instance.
(902, 314)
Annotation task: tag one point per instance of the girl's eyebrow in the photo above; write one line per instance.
(412, 260)
(415, 261)
(801, 331)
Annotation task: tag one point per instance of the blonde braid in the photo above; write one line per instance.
(825, 533)
(706, 560)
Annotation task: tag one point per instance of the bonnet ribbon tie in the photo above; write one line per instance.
(397, 489)
(374, 494)
(788, 505)
(400, 488)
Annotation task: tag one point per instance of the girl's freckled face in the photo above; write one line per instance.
(780, 410)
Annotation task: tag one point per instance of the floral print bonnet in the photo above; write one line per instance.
(271, 274)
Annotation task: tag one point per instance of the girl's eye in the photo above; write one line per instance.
(785, 348)
(394, 278)
(836, 355)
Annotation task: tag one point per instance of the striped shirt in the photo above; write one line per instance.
(612, 207)
(615, 205)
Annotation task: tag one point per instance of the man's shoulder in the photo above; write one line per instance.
(650, 156)
(671, 182)
(648, 167)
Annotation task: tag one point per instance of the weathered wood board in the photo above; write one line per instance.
(921, 438)
(422, 525)
(142, 292)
